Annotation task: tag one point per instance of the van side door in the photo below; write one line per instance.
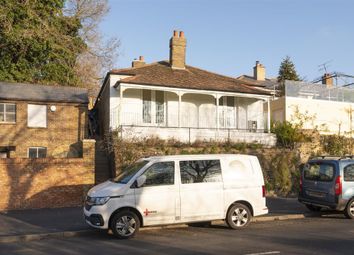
(156, 199)
(201, 190)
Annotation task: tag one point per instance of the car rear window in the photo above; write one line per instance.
(349, 173)
(319, 171)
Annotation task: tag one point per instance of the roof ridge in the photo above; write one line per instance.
(10, 83)
(134, 68)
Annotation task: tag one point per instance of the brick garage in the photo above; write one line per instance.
(46, 182)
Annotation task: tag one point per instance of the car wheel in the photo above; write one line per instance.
(349, 210)
(313, 208)
(125, 224)
(239, 216)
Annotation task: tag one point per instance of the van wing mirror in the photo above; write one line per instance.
(140, 180)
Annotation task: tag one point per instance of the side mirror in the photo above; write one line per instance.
(140, 180)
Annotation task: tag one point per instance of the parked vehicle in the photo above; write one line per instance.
(179, 189)
(328, 182)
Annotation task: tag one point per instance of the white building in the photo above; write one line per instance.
(324, 107)
(169, 99)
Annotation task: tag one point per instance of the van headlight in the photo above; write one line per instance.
(97, 200)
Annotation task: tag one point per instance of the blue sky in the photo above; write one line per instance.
(227, 37)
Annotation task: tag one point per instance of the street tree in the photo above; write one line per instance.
(38, 43)
(55, 42)
(287, 71)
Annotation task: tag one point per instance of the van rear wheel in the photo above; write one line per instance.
(349, 210)
(125, 224)
(239, 216)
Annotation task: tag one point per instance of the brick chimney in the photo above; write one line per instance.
(178, 50)
(259, 71)
(327, 80)
(138, 62)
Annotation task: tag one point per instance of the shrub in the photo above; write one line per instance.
(288, 134)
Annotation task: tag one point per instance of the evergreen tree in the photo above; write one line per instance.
(287, 71)
(38, 43)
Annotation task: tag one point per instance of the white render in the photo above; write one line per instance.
(188, 115)
(241, 182)
(329, 117)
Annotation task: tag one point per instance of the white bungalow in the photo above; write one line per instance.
(169, 99)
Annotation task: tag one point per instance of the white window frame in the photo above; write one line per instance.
(33, 123)
(5, 112)
(37, 149)
(153, 110)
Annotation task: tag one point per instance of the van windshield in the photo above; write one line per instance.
(128, 172)
(319, 171)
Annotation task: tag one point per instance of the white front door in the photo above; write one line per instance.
(201, 190)
(158, 198)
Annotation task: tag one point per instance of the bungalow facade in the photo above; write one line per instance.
(172, 100)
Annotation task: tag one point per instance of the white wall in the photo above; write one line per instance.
(329, 116)
(114, 100)
(132, 107)
(172, 109)
(193, 134)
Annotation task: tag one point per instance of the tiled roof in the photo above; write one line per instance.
(250, 80)
(42, 93)
(161, 74)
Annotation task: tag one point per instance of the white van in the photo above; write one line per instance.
(179, 189)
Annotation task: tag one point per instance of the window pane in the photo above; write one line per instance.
(230, 101)
(349, 173)
(160, 174)
(319, 172)
(42, 152)
(10, 117)
(159, 106)
(2, 117)
(10, 108)
(197, 171)
(1, 108)
(32, 152)
(146, 106)
(37, 115)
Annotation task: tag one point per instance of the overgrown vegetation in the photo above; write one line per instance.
(288, 134)
(337, 145)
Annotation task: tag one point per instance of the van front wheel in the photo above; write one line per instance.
(349, 210)
(239, 216)
(125, 224)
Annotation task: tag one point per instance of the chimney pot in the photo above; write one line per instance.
(178, 50)
(138, 62)
(327, 80)
(259, 72)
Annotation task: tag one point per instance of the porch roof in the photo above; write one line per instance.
(161, 74)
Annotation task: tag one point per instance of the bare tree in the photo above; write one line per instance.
(101, 52)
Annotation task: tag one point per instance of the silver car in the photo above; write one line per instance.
(328, 182)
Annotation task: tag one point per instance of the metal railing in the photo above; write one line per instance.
(171, 121)
(318, 91)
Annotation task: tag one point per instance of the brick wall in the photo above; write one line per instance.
(46, 182)
(66, 127)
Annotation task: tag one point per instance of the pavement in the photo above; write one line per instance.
(36, 224)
